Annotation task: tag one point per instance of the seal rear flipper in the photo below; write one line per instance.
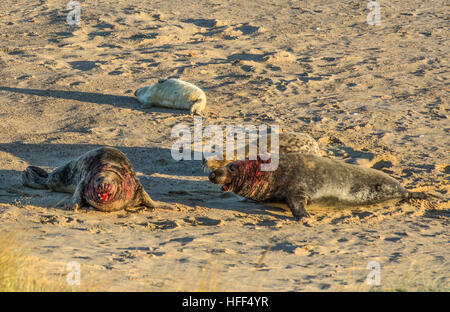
(197, 107)
(297, 204)
(35, 177)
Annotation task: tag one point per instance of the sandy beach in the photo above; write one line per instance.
(371, 95)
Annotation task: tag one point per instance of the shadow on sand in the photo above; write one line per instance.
(93, 97)
(164, 179)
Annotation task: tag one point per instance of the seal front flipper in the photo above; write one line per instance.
(73, 204)
(146, 200)
(297, 204)
(77, 198)
(76, 201)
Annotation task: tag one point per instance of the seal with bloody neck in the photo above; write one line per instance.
(102, 178)
(301, 179)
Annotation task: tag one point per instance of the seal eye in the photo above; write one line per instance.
(232, 168)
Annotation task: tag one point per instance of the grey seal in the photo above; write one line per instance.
(301, 179)
(102, 178)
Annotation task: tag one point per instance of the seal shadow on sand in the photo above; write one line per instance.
(122, 101)
(147, 160)
(166, 180)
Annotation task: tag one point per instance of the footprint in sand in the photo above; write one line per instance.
(57, 220)
(85, 65)
(182, 240)
(204, 221)
(247, 29)
(140, 37)
(160, 225)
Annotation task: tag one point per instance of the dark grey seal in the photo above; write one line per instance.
(301, 179)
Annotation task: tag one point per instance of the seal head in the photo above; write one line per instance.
(244, 177)
(102, 178)
(110, 188)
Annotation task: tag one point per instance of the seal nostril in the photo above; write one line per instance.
(212, 175)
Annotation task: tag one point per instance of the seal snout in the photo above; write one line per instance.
(103, 188)
(221, 176)
(104, 191)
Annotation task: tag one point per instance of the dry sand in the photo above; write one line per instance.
(376, 96)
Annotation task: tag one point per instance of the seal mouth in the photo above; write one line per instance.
(226, 187)
(104, 192)
(103, 197)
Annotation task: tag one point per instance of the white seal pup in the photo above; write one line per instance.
(172, 93)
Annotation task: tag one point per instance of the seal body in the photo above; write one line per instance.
(173, 93)
(102, 178)
(301, 179)
(289, 142)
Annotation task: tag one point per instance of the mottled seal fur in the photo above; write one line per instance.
(289, 142)
(301, 179)
(102, 178)
(173, 93)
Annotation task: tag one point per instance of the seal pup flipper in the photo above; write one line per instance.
(35, 177)
(297, 204)
(198, 107)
